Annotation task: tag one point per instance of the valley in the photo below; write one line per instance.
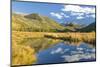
(34, 33)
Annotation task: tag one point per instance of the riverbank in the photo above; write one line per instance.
(28, 42)
(70, 36)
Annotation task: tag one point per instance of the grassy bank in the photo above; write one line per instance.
(26, 44)
(70, 36)
(21, 54)
(85, 37)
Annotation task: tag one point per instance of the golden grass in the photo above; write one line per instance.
(23, 54)
(70, 36)
(85, 37)
(28, 34)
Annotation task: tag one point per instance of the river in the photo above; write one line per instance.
(55, 51)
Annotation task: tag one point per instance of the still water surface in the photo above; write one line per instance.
(58, 51)
(66, 52)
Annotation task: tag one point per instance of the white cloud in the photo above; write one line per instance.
(77, 13)
(77, 57)
(58, 50)
(79, 17)
(93, 50)
(93, 15)
(79, 48)
(80, 12)
(77, 52)
(63, 14)
(88, 10)
(59, 16)
(76, 8)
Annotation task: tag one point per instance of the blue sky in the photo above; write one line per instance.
(59, 12)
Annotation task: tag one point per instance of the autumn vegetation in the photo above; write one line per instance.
(27, 29)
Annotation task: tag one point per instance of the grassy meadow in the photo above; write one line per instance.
(88, 37)
(30, 34)
(73, 36)
(21, 55)
(24, 54)
(42, 29)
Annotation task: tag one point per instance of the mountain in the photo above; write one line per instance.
(91, 27)
(69, 26)
(34, 22)
(39, 23)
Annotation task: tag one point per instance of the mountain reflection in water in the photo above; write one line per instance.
(58, 51)
(65, 51)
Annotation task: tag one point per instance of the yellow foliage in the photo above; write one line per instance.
(21, 54)
(74, 36)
